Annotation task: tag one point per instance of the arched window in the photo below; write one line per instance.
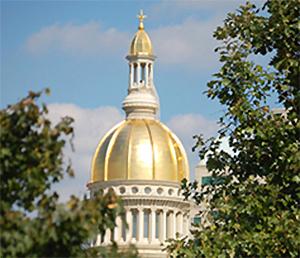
(169, 224)
(123, 231)
(134, 223)
(179, 223)
(143, 75)
(149, 73)
(135, 71)
(147, 223)
(158, 224)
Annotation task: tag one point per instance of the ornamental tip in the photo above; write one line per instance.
(141, 17)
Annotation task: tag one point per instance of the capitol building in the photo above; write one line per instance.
(144, 162)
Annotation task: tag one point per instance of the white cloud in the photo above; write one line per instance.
(190, 43)
(185, 126)
(90, 125)
(84, 39)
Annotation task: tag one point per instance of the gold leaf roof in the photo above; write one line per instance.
(139, 149)
(141, 44)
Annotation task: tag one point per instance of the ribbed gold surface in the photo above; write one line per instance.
(139, 149)
(141, 44)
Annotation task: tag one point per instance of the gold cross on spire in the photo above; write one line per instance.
(141, 17)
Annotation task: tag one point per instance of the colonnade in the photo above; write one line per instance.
(147, 226)
(140, 72)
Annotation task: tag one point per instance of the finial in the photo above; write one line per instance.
(141, 17)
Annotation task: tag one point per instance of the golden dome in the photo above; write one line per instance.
(141, 43)
(139, 149)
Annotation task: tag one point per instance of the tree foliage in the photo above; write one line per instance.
(33, 222)
(256, 210)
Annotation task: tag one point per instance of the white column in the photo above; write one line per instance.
(129, 229)
(151, 74)
(107, 236)
(146, 74)
(160, 226)
(131, 70)
(141, 226)
(118, 230)
(152, 225)
(138, 72)
(163, 225)
(98, 240)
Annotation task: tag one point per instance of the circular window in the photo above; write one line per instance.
(122, 190)
(147, 190)
(179, 192)
(134, 189)
(160, 190)
(171, 191)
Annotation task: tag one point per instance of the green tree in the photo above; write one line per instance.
(255, 212)
(33, 222)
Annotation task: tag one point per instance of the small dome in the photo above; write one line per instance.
(141, 44)
(139, 149)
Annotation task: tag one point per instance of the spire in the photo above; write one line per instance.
(142, 100)
(141, 17)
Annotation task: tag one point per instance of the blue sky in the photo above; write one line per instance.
(78, 49)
